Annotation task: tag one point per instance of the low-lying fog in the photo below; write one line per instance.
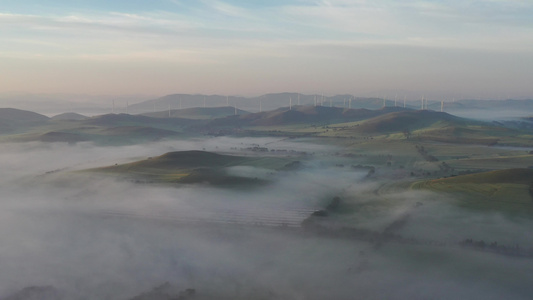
(93, 237)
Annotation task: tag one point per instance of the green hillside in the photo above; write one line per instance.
(195, 167)
(506, 190)
(411, 121)
(302, 115)
(12, 119)
(20, 116)
(69, 116)
(201, 113)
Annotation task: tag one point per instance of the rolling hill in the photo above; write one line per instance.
(12, 119)
(301, 115)
(411, 120)
(138, 120)
(69, 116)
(175, 101)
(195, 167)
(198, 113)
(508, 190)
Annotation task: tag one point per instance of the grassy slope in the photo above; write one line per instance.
(506, 190)
(194, 167)
(15, 120)
(200, 113)
(104, 130)
(310, 115)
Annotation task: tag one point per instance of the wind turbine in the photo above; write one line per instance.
(290, 103)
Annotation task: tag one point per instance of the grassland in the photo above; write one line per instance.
(503, 190)
(188, 167)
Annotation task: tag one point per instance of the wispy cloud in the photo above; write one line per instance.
(264, 34)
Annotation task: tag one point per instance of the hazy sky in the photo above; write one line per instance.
(468, 48)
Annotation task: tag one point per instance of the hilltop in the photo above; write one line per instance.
(12, 119)
(411, 120)
(136, 120)
(69, 116)
(507, 190)
(175, 101)
(201, 113)
(21, 116)
(300, 115)
(196, 167)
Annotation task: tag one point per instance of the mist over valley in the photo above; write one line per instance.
(302, 202)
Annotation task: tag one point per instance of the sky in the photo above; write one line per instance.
(460, 48)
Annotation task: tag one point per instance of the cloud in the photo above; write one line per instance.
(95, 237)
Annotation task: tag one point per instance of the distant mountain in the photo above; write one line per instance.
(499, 107)
(198, 113)
(182, 101)
(69, 116)
(254, 104)
(410, 120)
(21, 116)
(135, 120)
(12, 119)
(302, 114)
